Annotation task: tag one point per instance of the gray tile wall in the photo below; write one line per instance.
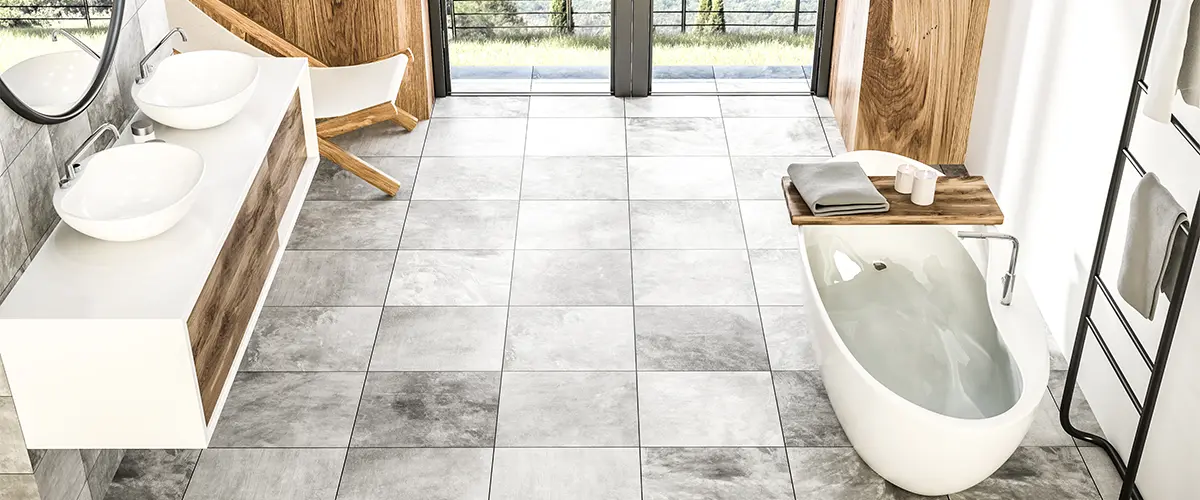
(29, 158)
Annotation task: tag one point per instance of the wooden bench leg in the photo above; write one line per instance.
(334, 127)
(405, 119)
(357, 166)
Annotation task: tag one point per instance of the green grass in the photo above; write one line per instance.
(725, 49)
(19, 44)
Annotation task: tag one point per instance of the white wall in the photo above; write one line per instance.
(1054, 82)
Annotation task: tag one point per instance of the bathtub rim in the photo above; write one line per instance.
(1034, 374)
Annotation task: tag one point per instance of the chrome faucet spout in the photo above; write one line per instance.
(1009, 280)
(144, 65)
(78, 43)
(70, 168)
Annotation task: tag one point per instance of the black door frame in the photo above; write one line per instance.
(631, 48)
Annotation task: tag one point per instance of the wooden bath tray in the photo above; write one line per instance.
(958, 200)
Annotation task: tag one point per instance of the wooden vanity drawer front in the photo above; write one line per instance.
(221, 316)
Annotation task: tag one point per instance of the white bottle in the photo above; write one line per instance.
(904, 178)
(142, 130)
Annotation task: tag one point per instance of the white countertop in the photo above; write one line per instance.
(77, 277)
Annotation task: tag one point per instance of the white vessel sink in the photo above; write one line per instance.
(131, 193)
(196, 90)
(51, 83)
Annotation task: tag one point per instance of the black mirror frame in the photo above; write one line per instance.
(106, 59)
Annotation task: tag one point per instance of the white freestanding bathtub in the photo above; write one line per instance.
(934, 382)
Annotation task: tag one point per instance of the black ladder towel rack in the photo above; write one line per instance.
(1157, 365)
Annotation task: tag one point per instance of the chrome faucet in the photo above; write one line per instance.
(1009, 281)
(71, 167)
(144, 66)
(79, 43)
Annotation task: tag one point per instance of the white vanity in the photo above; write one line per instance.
(135, 345)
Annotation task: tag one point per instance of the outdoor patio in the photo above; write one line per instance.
(595, 79)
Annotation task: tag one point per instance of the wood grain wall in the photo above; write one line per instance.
(905, 81)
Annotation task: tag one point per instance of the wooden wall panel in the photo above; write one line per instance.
(917, 73)
(222, 313)
(345, 33)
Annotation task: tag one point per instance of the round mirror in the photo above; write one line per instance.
(54, 55)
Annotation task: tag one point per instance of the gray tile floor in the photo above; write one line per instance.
(584, 305)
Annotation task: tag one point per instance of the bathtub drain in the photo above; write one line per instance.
(879, 265)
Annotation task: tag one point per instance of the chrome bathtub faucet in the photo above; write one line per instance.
(1009, 281)
(144, 65)
(78, 43)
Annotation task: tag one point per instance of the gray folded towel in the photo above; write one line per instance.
(836, 188)
(1153, 246)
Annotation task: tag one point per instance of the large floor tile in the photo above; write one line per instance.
(1037, 473)
(573, 225)
(763, 85)
(428, 409)
(61, 475)
(804, 408)
(699, 106)
(426, 474)
(290, 409)
(19, 487)
(698, 409)
(576, 137)
(716, 474)
(681, 178)
(13, 457)
(1046, 429)
(562, 473)
(384, 139)
(699, 339)
(833, 134)
(550, 106)
(570, 338)
(568, 409)
(571, 278)
(767, 106)
(153, 475)
(676, 137)
(475, 137)
(1101, 468)
(349, 225)
(768, 224)
(1081, 412)
(457, 178)
(259, 474)
(788, 341)
(671, 86)
(481, 107)
(758, 177)
(692, 278)
(778, 275)
(334, 183)
(460, 225)
(312, 339)
(700, 224)
(450, 278)
(331, 278)
(838, 474)
(440, 339)
(574, 178)
(776, 136)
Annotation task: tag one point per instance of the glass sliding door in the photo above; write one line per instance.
(733, 46)
(526, 46)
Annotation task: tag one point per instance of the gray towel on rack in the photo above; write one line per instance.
(1153, 246)
(836, 188)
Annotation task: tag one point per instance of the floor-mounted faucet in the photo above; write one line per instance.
(144, 65)
(1009, 281)
(79, 43)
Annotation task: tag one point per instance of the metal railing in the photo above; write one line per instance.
(87, 11)
(687, 17)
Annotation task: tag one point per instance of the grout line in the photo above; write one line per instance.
(766, 350)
